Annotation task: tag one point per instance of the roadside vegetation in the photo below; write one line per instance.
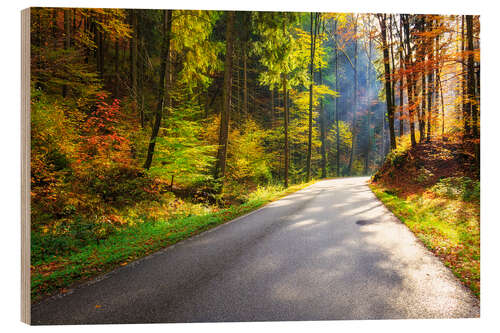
(438, 201)
(60, 260)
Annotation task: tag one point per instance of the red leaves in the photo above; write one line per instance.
(101, 137)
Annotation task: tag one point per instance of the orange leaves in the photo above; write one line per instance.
(101, 138)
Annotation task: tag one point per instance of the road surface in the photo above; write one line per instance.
(330, 251)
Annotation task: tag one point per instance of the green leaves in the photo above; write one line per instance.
(181, 152)
(278, 50)
(197, 51)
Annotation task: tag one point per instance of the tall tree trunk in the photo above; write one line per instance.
(472, 100)
(337, 103)
(285, 116)
(73, 26)
(117, 69)
(239, 85)
(471, 84)
(245, 83)
(67, 41)
(102, 51)
(401, 108)
(409, 78)
(286, 113)
(368, 103)
(313, 31)
(401, 82)
(322, 130)
(220, 169)
(430, 87)
(465, 106)
(273, 116)
(383, 144)
(442, 102)
(254, 99)
(86, 29)
(165, 50)
(54, 27)
(393, 70)
(388, 86)
(355, 101)
(99, 50)
(133, 58)
(141, 69)
(424, 97)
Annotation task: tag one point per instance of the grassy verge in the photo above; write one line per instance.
(133, 242)
(448, 226)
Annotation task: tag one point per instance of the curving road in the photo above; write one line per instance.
(330, 251)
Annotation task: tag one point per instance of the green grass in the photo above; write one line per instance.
(448, 226)
(53, 274)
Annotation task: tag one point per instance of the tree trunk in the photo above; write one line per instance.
(424, 97)
(285, 116)
(272, 109)
(368, 99)
(337, 103)
(420, 106)
(54, 27)
(141, 69)
(430, 91)
(355, 100)
(133, 59)
(314, 24)
(388, 88)
(322, 131)
(245, 83)
(220, 169)
(393, 67)
(471, 84)
(409, 78)
(465, 105)
(117, 68)
(67, 41)
(165, 50)
(401, 79)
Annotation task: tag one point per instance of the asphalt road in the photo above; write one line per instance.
(330, 251)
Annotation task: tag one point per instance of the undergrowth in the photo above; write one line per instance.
(73, 253)
(446, 219)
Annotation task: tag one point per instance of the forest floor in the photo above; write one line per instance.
(61, 272)
(433, 189)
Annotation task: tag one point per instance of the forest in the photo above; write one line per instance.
(149, 126)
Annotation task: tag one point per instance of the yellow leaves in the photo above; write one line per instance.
(304, 48)
(110, 20)
(247, 157)
(301, 99)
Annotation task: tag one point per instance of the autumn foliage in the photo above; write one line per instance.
(141, 117)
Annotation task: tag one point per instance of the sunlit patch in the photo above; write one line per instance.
(304, 223)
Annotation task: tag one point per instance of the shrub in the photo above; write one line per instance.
(424, 175)
(462, 188)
